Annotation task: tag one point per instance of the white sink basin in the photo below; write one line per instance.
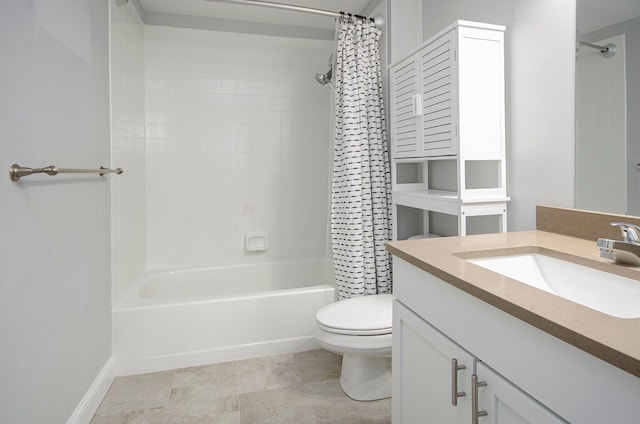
(604, 292)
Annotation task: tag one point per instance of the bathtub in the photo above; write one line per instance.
(180, 318)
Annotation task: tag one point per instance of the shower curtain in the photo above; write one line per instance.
(361, 185)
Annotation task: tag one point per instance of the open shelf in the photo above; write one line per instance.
(413, 221)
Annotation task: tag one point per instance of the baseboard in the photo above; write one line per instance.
(132, 364)
(93, 397)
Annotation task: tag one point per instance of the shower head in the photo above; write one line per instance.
(325, 79)
(322, 79)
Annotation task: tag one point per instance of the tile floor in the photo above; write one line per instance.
(298, 388)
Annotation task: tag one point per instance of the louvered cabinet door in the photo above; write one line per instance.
(438, 96)
(405, 109)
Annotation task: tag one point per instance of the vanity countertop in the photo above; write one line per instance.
(614, 340)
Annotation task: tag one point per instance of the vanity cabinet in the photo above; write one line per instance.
(531, 376)
(448, 129)
(435, 380)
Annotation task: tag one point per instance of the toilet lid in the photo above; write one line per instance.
(365, 314)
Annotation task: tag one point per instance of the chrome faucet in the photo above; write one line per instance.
(625, 251)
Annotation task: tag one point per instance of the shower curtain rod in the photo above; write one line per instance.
(603, 49)
(607, 51)
(377, 20)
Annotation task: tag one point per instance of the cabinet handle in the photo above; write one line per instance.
(475, 414)
(455, 394)
(417, 104)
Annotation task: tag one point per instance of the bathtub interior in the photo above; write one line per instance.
(233, 281)
(169, 286)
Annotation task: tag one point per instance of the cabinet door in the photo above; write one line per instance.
(504, 403)
(438, 86)
(405, 109)
(423, 375)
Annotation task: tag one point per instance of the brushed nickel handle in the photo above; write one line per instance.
(455, 394)
(475, 414)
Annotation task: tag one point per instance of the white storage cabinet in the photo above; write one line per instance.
(447, 126)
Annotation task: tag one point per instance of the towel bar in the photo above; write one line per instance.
(16, 171)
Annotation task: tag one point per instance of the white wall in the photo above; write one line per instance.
(405, 27)
(127, 131)
(541, 108)
(540, 64)
(238, 141)
(54, 260)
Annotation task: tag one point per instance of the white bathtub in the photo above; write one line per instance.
(181, 318)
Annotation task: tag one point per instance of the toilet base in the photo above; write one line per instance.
(366, 378)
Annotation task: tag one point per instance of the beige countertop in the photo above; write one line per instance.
(612, 339)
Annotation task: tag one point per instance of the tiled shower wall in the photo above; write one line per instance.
(237, 141)
(127, 148)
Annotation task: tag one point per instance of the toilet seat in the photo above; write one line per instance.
(358, 316)
(347, 332)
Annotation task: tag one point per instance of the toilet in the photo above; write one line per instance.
(359, 329)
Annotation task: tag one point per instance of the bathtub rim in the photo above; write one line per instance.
(132, 299)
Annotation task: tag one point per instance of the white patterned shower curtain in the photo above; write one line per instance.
(361, 186)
